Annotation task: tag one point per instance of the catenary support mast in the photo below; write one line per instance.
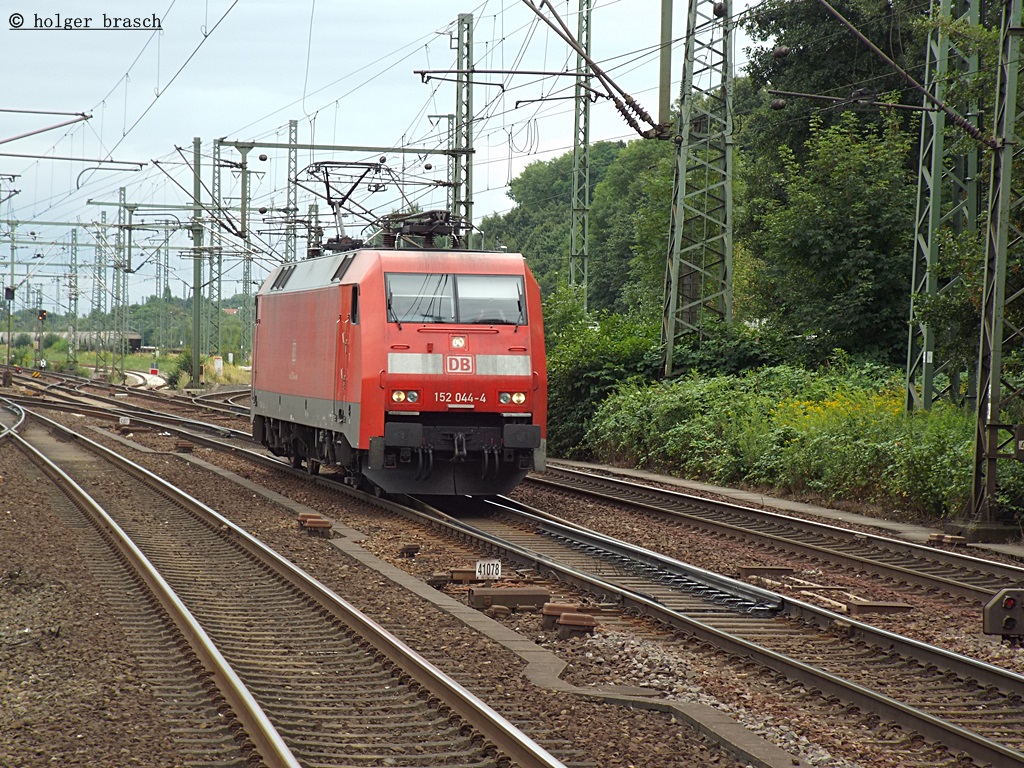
(1002, 330)
(464, 122)
(580, 225)
(698, 278)
(197, 260)
(947, 202)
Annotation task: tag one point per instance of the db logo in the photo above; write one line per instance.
(459, 363)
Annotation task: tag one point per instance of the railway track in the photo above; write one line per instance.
(226, 405)
(175, 653)
(235, 400)
(188, 426)
(337, 688)
(971, 708)
(901, 562)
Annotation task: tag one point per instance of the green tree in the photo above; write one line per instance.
(836, 249)
(589, 361)
(801, 48)
(538, 224)
(629, 227)
(563, 311)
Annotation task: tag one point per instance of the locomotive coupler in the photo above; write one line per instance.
(459, 445)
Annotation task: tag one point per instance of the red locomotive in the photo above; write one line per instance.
(415, 370)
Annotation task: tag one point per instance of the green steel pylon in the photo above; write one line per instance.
(698, 278)
(119, 299)
(580, 226)
(947, 200)
(197, 261)
(211, 313)
(72, 355)
(99, 291)
(1002, 333)
(292, 196)
(463, 181)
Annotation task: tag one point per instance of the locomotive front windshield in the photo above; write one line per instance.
(446, 298)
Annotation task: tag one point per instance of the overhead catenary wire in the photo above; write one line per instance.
(613, 3)
(521, 52)
(492, 122)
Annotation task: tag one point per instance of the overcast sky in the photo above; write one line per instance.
(241, 69)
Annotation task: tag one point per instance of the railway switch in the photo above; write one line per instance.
(1004, 615)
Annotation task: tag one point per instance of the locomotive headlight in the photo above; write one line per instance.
(412, 396)
(511, 397)
(398, 396)
(458, 342)
(518, 398)
(504, 398)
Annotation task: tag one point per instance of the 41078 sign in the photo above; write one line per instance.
(488, 570)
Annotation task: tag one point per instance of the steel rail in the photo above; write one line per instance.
(971, 591)
(811, 550)
(953, 558)
(258, 728)
(150, 418)
(761, 601)
(949, 734)
(929, 726)
(78, 383)
(504, 736)
(19, 417)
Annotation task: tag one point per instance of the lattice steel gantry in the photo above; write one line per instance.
(947, 200)
(292, 194)
(698, 278)
(72, 353)
(580, 225)
(210, 316)
(464, 122)
(1000, 404)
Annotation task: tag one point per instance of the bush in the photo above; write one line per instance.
(837, 432)
(181, 373)
(841, 444)
(62, 365)
(722, 348)
(591, 358)
(933, 464)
